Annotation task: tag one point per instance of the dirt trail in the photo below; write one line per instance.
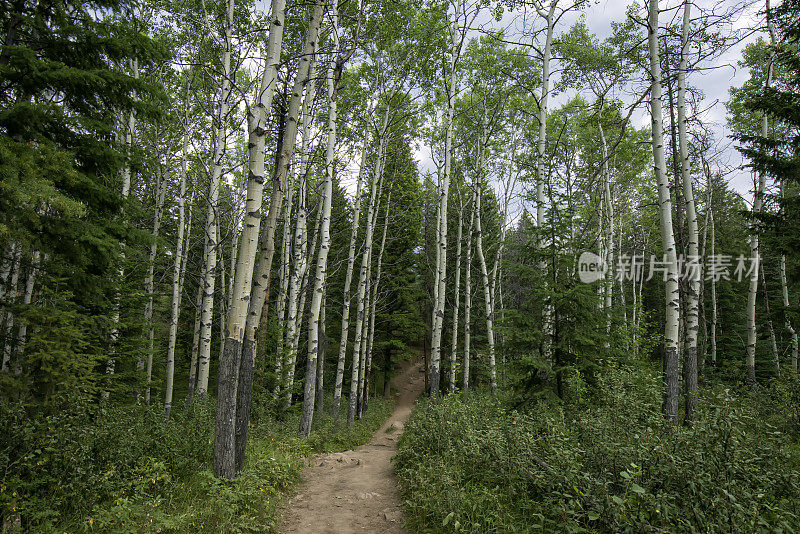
(356, 491)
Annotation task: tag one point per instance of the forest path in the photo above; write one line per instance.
(356, 490)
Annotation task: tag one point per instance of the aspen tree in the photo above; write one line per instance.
(126, 187)
(375, 288)
(775, 356)
(486, 290)
(161, 187)
(454, 345)
(322, 351)
(348, 280)
(27, 298)
(236, 387)
(468, 298)
(758, 200)
(219, 136)
(437, 320)
(549, 17)
(365, 262)
(785, 297)
(13, 294)
(695, 270)
(362, 312)
(672, 306)
(283, 288)
(177, 264)
(324, 231)
(300, 262)
(242, 374)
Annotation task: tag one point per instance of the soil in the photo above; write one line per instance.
(355, 491)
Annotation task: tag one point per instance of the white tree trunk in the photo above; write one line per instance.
(486, 289)
(237, 365)
(177, 264)
(373, 300)
(758, 199)
(363, 280)
(541, 164)
(300, 261)
(693, 297)
(27, 298)
(454, 346)
(161, 187)
(437, 320)
(468, 299)
(672, 305)
(13, 294)
(321, 273)
(348, 279)
(219, 136)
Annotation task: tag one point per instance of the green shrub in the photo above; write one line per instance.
(479, 466)
(122, 469)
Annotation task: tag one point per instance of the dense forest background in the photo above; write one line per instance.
(224, 225)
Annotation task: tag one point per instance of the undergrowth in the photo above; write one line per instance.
(121, 469)
(607, 465)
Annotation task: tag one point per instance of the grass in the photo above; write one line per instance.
(127, 472)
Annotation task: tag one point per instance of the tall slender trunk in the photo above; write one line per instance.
(13, 294)
(374, 289)
(608, 235)
(126, 187)
(713, 299)
(283, 288)
(362, 281)
(758, 200)
(219, 137)
(671, 297)
(161, 187)
(178, 262)
(6, 262)
(300, 262)
(27, 298)
(319, 397)
(437, 320)
(695, 270)
(487, 292)
(301, 308)
(454, 345)
(348, 280)
(774, 342)
(468, 299)
(324, 244)
(547, 311)
(253, 297)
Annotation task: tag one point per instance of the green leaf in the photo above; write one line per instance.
(448, 518)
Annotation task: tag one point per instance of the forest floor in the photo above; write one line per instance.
(356, 490)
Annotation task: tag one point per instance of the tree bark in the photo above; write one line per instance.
(672, 305)
(324, 245)
(468, 299)
(239, 398)
(758, 199)
(695, 265)
(219, 137)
